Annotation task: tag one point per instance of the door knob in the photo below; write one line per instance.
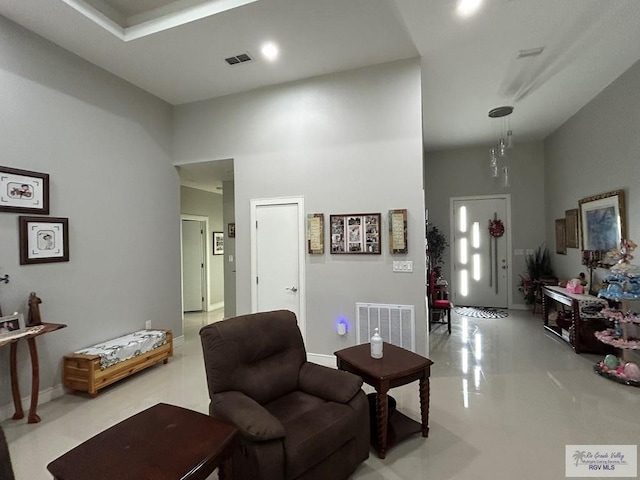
(293, 289)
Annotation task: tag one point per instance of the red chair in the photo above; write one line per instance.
(438, 306)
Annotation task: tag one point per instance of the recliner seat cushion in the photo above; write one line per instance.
(315, 435)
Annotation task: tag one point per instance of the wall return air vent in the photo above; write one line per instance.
(238, 59)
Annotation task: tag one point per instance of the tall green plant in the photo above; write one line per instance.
(436, 245)
(539, 264)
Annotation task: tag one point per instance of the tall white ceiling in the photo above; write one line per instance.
(176, 50)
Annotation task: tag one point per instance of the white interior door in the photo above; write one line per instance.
(479, 260)
(192, 266)
(278, 256)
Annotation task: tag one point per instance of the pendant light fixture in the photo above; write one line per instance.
(498, 154)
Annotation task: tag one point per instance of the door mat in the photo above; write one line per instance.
(480, 312)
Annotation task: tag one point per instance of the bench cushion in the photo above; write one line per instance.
(126, 347)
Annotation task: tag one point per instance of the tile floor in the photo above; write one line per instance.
(506, 398)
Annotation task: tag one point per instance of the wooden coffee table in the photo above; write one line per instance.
(164, 442)
(397, 367)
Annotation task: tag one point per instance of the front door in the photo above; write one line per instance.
(480, 259)
(278, 256)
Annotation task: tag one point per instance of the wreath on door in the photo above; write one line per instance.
(496, 228)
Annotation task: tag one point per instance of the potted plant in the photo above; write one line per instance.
(539, 271)
(436, 245)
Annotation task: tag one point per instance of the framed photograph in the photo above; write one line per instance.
(571, 225)
(218, 243)
(561, 236)
(357, 233)
(398, 231)
(44, 240)
(22, 191)
(11, 324)
(602, 220)
(231, 230)
(315, 233)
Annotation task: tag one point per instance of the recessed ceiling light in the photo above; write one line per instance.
(270, 51)
(467, 8)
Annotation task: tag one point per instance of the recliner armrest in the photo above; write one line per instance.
(328, 383)
(252, 420)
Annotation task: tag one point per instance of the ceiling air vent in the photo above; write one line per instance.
(237, 59)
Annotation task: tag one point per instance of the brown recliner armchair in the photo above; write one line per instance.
(297, 420)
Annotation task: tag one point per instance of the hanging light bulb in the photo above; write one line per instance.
(502, 147)
(509, 140)
(493, 162)
(505, 176)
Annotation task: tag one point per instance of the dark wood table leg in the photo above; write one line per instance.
(424, 404)
(224, 470)
(35, 381)
(15, 388)
(382, 412)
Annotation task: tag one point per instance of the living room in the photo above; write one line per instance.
(111, 150)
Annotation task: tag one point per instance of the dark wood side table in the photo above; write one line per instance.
(164, 442)
(35, 370)
(397, 367)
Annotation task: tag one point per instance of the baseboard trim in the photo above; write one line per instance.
(520, 306)
(215, 306)
(322, 359)
(46, 395)
(51, 393)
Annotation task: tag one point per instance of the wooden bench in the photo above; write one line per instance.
(84, 372)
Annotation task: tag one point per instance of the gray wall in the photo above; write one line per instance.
(349, 142)
(106, 146)
(465, 172)
(207, 204)
(596, 151)
(229, 216)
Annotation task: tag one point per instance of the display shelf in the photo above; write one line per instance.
(603, 370)
(609, 337)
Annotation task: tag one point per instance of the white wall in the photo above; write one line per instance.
(208, 204)
(349, 142)
(596, 151)
(465, 172)
(106, 146)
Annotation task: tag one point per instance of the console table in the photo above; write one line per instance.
(581, 333)
(35, 370)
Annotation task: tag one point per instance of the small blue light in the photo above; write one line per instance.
(342, 321)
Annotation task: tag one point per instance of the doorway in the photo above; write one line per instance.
(278, 256)
(480, 255)
(194, 268)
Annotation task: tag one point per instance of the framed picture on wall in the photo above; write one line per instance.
(398, 231)
(218, 243)
(561, 236)
(357, 233)
(571, 224)
(602, 218)
(22, 191)
(315, 233)
(43, 240)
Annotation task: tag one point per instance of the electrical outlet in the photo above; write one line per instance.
(147, 324)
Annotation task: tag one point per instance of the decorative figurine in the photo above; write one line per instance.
(33, 317)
